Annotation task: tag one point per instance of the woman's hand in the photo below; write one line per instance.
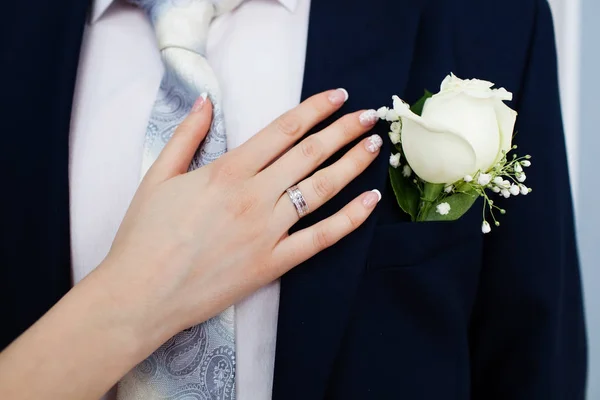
(193, 243)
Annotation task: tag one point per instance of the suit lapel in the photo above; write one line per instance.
(348, 46)
(39, 65)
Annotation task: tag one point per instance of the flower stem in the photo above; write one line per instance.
(431, 192)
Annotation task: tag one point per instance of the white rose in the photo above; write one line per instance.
(463, 129)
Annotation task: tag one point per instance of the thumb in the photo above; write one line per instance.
(179, 151)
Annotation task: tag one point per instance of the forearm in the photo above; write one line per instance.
(78, 350)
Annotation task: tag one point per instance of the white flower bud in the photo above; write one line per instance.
(498, 180)
(443, 209)
(521, 177)
(526, 163)
(382, 112)
(514, 190)
(505, 193)
(484, 179)
(396, 127)
(406, 171)
(518, 168)
(448, 189)
(395, 160)
(485, 227)
(468, 178)
(524, 189)
(496, 189)
(391, 115)
(394, 137)
(506, 184)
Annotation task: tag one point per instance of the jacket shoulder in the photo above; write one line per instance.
(495, 38)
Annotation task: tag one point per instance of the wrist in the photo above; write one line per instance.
(80, 348)
(131, 307)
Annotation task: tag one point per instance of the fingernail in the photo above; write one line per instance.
(372, 198)
(199, 102)
(374, 143)
(368, 118)
(339, 97)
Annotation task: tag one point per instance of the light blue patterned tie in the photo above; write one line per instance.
(198, 363)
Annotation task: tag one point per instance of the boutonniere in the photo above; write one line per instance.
(452, 147)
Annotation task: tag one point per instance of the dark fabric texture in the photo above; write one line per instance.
(38, 63)
(437, 310)
(397, 309)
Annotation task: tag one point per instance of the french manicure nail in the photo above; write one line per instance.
(199, 102)
(372, 198)
(373, 143)
(338, 97)
(368, 118)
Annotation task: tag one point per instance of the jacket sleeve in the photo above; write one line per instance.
(527, 334)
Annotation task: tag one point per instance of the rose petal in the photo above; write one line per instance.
(502, 94)
(474, 119)
(506, 117)
(435, 154)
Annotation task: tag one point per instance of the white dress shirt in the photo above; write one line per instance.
(257, 52)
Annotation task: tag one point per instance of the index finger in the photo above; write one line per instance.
(267, 145)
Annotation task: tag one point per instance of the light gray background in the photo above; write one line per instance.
(577, 25)
(588, 197)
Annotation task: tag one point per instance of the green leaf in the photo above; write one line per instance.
(460, 203)
(431, 192)
(417, 108)
(407, 193)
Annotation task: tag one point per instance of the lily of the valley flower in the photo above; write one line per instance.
(518, 168)
(485, 227)
(395, 160)
(395, 137)
(382, 112)
(514, 190)
(484, 179)
(443, 209)
(464, 128)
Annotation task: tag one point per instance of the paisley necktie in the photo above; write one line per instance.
(198, 363)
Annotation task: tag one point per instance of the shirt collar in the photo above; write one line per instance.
(99, 7)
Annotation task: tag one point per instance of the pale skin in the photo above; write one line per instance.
(192, 244)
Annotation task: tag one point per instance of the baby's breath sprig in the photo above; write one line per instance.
(506, 179)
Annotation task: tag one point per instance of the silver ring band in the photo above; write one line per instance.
(298, 200)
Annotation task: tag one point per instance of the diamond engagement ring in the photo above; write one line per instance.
(298, 200)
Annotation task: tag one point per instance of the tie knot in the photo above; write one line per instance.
(184, 23)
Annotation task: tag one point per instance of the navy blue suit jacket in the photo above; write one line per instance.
(397, 309)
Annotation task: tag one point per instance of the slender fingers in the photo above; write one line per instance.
(281, 134)
(305, 243)
(307, 155)
(179, 151)
(326, 183)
